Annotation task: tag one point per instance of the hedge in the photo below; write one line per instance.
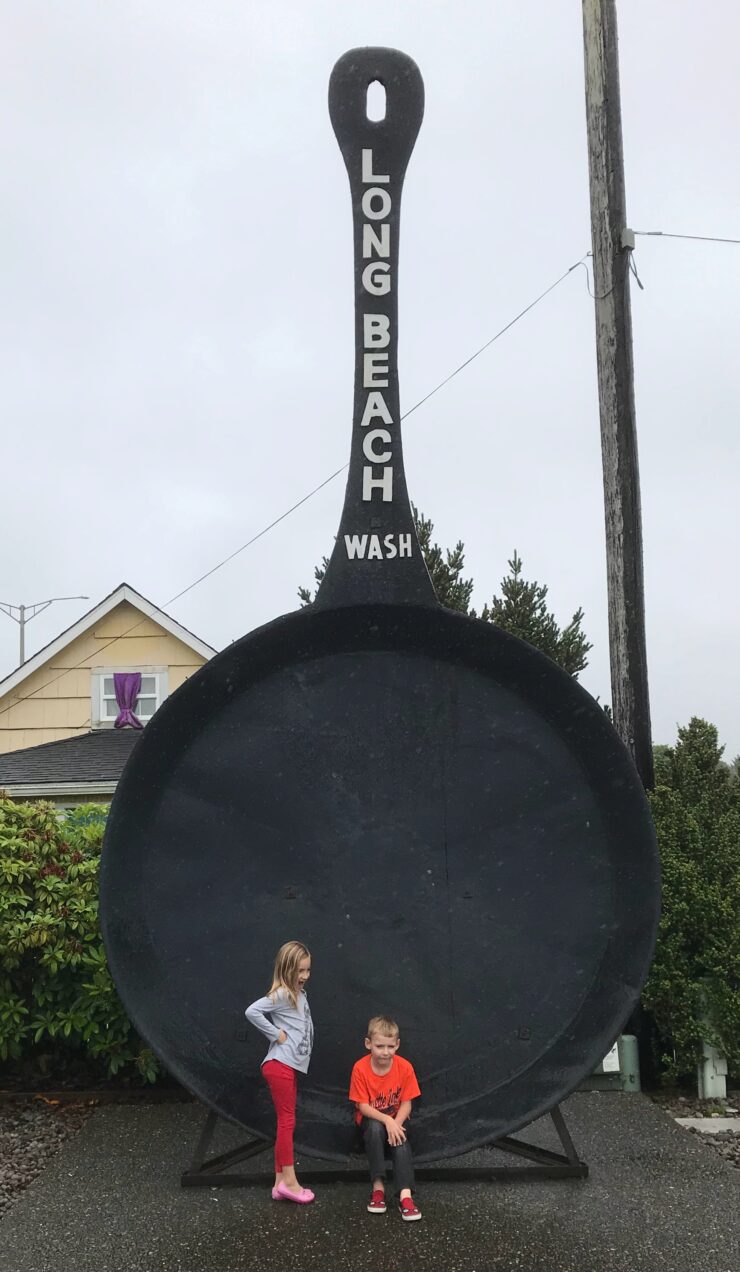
(56, 992)
(693, 990)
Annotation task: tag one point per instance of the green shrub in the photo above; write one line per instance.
(693, 991)
(55, 987)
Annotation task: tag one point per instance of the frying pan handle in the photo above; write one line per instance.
(376, 555)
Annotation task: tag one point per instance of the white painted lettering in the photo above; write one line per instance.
(373, 242)
(376, 332)
(371, 547)
(376, 214)
(375, 407)
(376, 278)
(376, 329)
(384, 483)
(376, 434)
(355, 545)
(368, 176)
(374, 365)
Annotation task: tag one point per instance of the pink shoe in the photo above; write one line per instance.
(282, 1193)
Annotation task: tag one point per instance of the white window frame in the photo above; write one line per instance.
(102, 721)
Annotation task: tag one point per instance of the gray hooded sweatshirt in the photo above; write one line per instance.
(270, 1015)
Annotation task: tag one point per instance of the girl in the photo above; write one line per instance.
(284, 1017)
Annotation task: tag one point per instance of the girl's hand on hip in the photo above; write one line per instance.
(282, 1036)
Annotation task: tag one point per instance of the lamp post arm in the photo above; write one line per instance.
(25, 617)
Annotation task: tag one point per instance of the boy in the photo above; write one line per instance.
(382, 1087)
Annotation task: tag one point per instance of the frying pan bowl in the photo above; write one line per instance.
(445, 818)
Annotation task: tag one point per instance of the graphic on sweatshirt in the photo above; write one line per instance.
(306, 1042)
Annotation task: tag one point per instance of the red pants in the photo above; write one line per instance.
(283, 1084)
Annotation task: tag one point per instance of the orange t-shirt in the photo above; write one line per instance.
(384, 1091)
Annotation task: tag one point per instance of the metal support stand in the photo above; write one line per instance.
(213, 1172)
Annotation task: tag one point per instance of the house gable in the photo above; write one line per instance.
(55, 694)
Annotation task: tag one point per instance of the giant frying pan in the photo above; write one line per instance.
(443, 815)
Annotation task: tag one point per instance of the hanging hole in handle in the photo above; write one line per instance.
(375, 107)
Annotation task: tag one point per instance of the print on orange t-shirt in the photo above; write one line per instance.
(385, 1092)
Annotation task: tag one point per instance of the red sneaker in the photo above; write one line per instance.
(376, 1204)
(409, 1209)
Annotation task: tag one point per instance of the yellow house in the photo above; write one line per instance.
(59, 708)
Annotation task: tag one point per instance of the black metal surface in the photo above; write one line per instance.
(215, 1172)
(444, 816)
(390, 142)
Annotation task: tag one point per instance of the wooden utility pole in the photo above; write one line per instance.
(612, 243)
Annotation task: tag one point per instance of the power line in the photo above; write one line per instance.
(697, 238)
(701, 238)
(497, 336)
(404, 416)
(593, 295)
(255, 537)
(316, 489)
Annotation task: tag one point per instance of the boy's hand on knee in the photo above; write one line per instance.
(396, 1133)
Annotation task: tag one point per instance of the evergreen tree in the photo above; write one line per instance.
(662, 764)
(693, 990)
(522, 610)
(445, 568)
(319, 571)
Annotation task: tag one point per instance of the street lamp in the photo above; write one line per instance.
(27, 612)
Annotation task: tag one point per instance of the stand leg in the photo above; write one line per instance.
(209, 1172)
(204, 1142)
(564, 1135)
(215, 1171)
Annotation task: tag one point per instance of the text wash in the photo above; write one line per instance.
(376, 547)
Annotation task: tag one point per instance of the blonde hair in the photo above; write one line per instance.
(285, 971)
(382, 1025)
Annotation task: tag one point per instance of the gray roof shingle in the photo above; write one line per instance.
(96, 756)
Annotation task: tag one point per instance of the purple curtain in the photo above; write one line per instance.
(127, 686)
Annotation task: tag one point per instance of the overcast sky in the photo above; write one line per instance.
(177, 333)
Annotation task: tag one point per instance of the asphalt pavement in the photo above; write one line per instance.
(657, 1198)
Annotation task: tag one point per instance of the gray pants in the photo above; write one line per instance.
(375, 1139)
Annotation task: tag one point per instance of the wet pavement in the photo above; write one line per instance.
(657, 1197)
